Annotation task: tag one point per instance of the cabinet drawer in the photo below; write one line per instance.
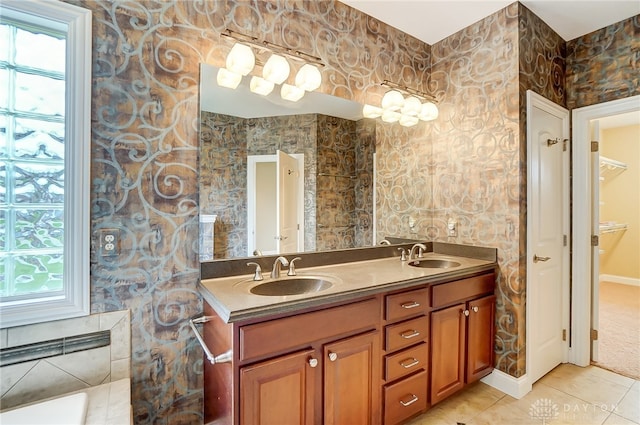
(405, 362)
(460, 290)
(280, 335)
(406, 333)
(405, 398)
(410, 303)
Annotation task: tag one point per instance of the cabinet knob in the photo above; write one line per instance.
(313, 362)
(465, 312)
(412, 400)
(333, 357)
(474, 308)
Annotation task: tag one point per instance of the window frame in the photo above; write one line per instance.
(76, 22)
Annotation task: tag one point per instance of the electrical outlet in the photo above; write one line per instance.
(109, 242)
(452, 227)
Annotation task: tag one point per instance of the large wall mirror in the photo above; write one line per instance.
(280, 177)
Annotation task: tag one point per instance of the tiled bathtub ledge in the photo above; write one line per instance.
(108, 404)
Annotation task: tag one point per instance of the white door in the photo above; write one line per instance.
(547, 230)
(594, 128)
(287, 206)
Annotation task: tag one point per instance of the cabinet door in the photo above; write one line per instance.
(480, 337)
(279, 391)
(352, 380)
(447, 351)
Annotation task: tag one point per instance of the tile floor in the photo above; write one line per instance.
(569, 394)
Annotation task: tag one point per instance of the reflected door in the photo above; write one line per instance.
(287, 203)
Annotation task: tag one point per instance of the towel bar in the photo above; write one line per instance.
(225, 357)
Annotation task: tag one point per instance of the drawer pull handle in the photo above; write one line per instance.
(409, 363)
(313, 362)
(414, 398)
(333, 357)
(410, 305)
(410, 334)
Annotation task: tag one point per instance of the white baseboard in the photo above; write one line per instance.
(515, 387)
(620, 279)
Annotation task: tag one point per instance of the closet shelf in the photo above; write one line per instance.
(612, 227)
(610, 166)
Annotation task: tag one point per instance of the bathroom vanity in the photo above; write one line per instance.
(386, 340)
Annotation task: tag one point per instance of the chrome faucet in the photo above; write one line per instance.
(403, 254)
(420, 247)
(275, 272)
(292, 267)
(257, 275)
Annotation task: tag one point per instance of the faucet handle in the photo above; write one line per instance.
(292, 268)
(403, 254)
(258, 273)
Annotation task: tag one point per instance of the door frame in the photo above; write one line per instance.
(535, 100)
(580, 354)
(252, 160)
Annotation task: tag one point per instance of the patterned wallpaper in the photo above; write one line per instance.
(468, 164)
(146, 56)
(344, 184)
(604, 65)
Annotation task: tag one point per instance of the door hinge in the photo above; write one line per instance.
(564, 145)
(564, 334)
(564, 240)
(595, 240)
(594, 146)
(594, 334)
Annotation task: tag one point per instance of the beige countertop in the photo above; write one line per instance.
(231, 298)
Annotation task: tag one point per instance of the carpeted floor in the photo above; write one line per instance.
(619, 333)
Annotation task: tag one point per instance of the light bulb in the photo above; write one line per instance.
(408, 120)
(369, 111)
(228, 79)
(241, 59)
(260, 86)
(308, 78)
(412, 106)
(390, 116)
(276, 69)
(428, 112)
(291, 93)
(392, 100)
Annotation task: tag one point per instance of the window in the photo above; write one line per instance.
(45, 102)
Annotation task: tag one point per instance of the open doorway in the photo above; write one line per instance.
(616, 280)
(602, 198)
(275, 203)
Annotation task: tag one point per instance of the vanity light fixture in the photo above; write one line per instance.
(260, 86)
(291, 93)
(408, 111)
(276, 69)
(242, 60)
(228, 79)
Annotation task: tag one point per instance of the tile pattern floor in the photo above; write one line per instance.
(568, 394)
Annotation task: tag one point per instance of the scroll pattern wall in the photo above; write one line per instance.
(145, 156)
(604, 65)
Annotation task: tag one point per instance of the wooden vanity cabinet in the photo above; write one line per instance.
(462, 334)
(317, 367)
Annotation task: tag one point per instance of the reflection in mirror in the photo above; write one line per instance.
(324, 193)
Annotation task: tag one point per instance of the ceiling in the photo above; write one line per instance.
(434, 20)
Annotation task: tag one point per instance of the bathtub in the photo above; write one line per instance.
(66, 410)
